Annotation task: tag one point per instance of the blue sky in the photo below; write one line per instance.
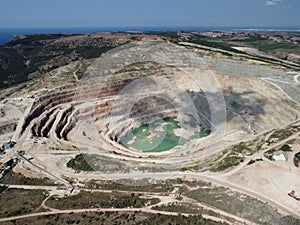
(99, 13)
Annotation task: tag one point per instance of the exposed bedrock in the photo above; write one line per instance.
(47, 102)
(59, 130)
(48, 126)
(149, 109)
(34, 114)
(42, 126)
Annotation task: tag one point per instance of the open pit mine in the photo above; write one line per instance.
(153, 106)
(150, 108)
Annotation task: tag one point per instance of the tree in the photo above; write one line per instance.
(285, 148)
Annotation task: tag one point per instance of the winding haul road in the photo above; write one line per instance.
(164, 197)
(124, 210)
(190, 176)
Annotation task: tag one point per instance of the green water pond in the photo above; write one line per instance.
(158, 136)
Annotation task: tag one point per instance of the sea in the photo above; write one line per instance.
(7, 34)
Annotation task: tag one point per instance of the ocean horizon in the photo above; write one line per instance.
(7, 34)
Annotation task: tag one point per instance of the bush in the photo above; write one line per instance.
(297, 159)
(286, 148)
(79, 164)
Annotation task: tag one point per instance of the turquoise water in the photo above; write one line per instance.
(158, 136)
(162, 133)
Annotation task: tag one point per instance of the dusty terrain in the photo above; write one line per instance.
(89, 106)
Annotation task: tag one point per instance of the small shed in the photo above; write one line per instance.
(279, 157)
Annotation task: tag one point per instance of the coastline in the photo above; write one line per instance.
(7, 34)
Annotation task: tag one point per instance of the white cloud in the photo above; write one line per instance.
(272, 2)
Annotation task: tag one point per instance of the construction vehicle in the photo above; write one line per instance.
(293, 195)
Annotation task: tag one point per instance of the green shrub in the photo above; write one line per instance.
(286, 148)
(79, 163)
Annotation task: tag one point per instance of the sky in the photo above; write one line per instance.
(163, 13)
